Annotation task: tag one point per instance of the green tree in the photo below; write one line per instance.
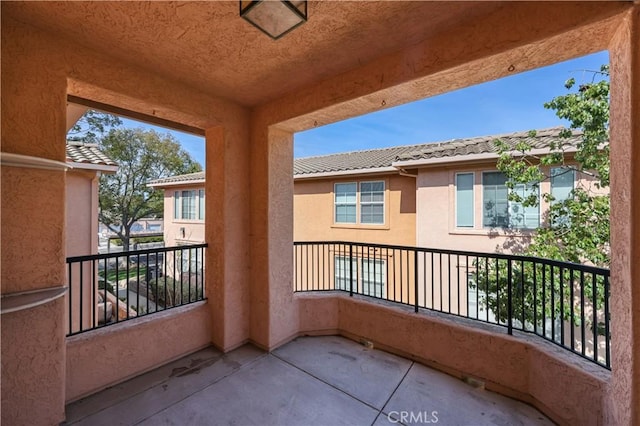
(124, 197)
(92, 126)
(575, 230)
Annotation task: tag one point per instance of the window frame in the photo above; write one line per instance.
(509, 206)
(336, 204)
(361, 283)
(358, 204)
(473, 200)
(370, 203)
(179, 207)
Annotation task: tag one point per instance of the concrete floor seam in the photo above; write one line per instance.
(393, 393)
(326, 383)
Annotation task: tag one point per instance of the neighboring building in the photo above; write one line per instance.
(354, 196)
(86, 163)
(183, 208)
(447, 195)
(183, 222)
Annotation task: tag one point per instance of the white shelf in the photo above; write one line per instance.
(18, 160)
(14, 302)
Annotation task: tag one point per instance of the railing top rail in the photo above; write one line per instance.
(90, 257)
(503, 256)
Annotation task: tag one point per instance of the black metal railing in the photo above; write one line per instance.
(105, 289)
(565, 303)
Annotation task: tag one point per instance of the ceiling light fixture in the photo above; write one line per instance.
(274, 17)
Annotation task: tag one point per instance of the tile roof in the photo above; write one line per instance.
(87, 153)
(385, 157)
(171, 180)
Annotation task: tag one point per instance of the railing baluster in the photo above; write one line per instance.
(81, 319)
(415, 278)
(509, 297)
(537, 285)
(93, 294)
(70, 298)
(79, 309)
(573, 321)
(582, 316)
(594, 308)
(607, 336)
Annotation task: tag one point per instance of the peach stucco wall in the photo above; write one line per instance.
(110, 355)
(563, 386)
(436, 210)
(313, 212)
(39, 71)
(249, 188)
(193, 229)
(81, 224)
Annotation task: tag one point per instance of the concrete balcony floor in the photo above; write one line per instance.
(312, 380)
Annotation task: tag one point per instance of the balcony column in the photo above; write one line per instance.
(274, 317)
(625, 222)
(32, 229)
(226, 228)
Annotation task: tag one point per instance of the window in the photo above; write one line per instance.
(562, 181)
(373, 277)
(498, 211)
(464, 200)
(562, 184)
(372, 202)
(201, 204)
(184, 205)
(345, 202)
(368, 280)
(370, 199)
(343, 273)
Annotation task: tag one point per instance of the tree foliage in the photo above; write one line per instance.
(575, 230)
(142, 156)
(92, 126)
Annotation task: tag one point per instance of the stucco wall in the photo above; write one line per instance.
(181, 231)
(102, 358)
(81, 221)
(39, 71)
(436, 210)
(566, 388)
(313, 216)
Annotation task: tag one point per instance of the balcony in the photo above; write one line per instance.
(484, 322)
(312, 380)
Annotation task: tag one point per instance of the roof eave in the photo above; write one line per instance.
(470, 157)
(176, 183)
(105, 168)
(344, 173)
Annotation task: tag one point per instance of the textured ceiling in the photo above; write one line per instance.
(209, 47)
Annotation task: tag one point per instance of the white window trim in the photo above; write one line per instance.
(358, 203)
(177, 213)
(482, 173)
(473, 201)
(335, 216)
(358, 277)
(384, 203)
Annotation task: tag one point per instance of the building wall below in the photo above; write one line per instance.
(313, 205)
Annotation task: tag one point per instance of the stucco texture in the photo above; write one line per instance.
(313, 207)
(563, 386)
(248, 95)
(113, 354)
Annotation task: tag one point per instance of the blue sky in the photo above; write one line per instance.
(510, 104)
